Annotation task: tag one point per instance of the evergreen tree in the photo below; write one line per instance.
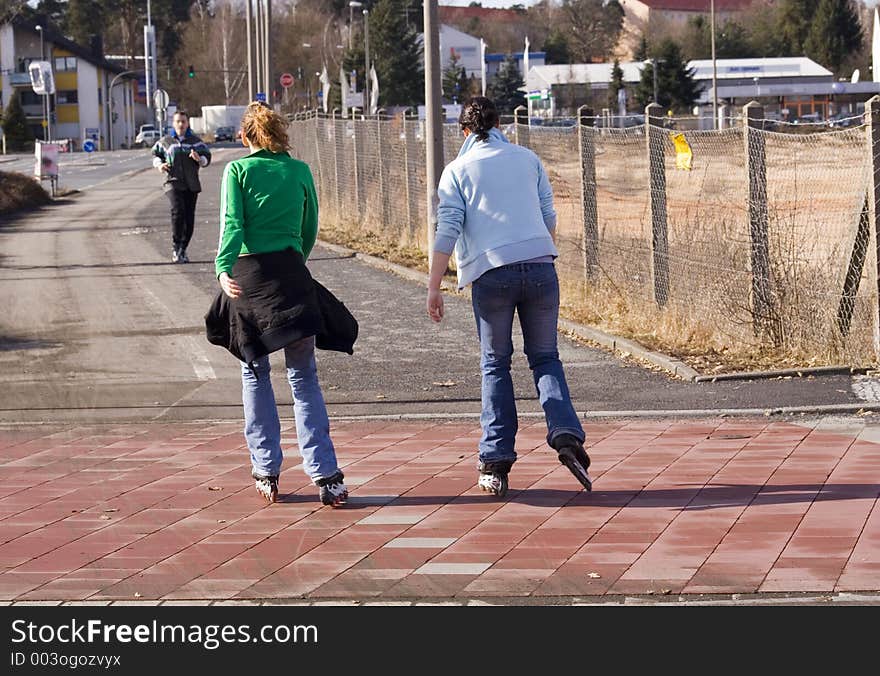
(835, 33)
(615, 85)
(397, 55)
(82, 20)
(793, 24)
(641, 52)
(505, 88)
(556, 48)
(451, 83)
(15, 128)
(676, 88)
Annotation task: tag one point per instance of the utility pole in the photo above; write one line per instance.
(351, 6)
(433, 117)
(39, 28)
(249, 25)
(714, 67)
(267, 59)
(366, 61)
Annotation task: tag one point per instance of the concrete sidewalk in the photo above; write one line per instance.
(737, 511)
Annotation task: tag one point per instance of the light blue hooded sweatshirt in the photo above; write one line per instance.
(495, 207)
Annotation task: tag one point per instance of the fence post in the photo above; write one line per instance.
(355, 137)
(722, 116)
(856, 266)
(657, 187)
(337, 151)
(319, 163)
(759, 222)
(587, 150)
(408, 167)
(520, 127)
(383, 190)
(872, 119)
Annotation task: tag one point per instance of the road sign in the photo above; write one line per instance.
(286, 80)
(260, 96)
(160, 99)
(89, 146)
(42, 80)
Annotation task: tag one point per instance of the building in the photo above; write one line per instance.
(790, 88)
(667, 16)
(83, 78)
(465, 47)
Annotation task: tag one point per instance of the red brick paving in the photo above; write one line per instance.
(124, 512)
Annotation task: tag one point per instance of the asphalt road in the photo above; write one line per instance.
(97, 324)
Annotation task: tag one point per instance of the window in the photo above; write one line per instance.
(65, 63)
(27, 97)
(67, 96)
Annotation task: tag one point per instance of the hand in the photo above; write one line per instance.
(165, 167)
(193, 155)
(230, 286)
(435, 305)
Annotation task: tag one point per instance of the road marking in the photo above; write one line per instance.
(198, 358)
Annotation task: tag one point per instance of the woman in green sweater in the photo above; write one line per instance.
(268, 226)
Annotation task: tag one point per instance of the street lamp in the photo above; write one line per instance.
(110, 105)
(351, 6)
(39, 28)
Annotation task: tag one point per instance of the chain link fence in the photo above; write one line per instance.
(741, 239)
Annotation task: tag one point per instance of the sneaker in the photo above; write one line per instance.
(493, 477)
(175, 256)
(182, 257)
(572, 455)
(267, 486)
(332, 490)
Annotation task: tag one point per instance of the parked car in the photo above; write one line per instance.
(224, 134)
(147, 135)
(840, 120)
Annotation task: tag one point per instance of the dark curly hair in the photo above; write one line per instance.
(478, 116)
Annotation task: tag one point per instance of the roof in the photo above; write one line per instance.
(696, 5)
(785, 66)
(56, 38)
(542, 77)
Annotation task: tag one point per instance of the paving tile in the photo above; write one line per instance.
(703, 507)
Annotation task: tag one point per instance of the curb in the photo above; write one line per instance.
(786, 373)
(616, 344)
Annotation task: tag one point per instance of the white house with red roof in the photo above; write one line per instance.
(672, 14)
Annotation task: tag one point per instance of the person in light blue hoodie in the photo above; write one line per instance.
(496, 211)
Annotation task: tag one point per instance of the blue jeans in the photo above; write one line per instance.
(262, 429)
(532, 290)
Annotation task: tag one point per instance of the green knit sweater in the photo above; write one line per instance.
(267, 203)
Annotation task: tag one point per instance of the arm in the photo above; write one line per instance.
(545, 195)
(201, 153)
(231, 224)
(310, 215)
(451, 212)
(159, 157)
(439, 263)
(450, 221)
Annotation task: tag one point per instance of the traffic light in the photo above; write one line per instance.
(192, 71)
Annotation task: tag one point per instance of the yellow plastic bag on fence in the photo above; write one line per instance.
(683, 154)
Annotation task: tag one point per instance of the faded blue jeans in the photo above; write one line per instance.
(532, 290)
(262, 429)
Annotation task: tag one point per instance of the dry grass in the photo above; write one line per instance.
(368, 242)
(18, 191)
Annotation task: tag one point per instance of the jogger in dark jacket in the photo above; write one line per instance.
(179, 156)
